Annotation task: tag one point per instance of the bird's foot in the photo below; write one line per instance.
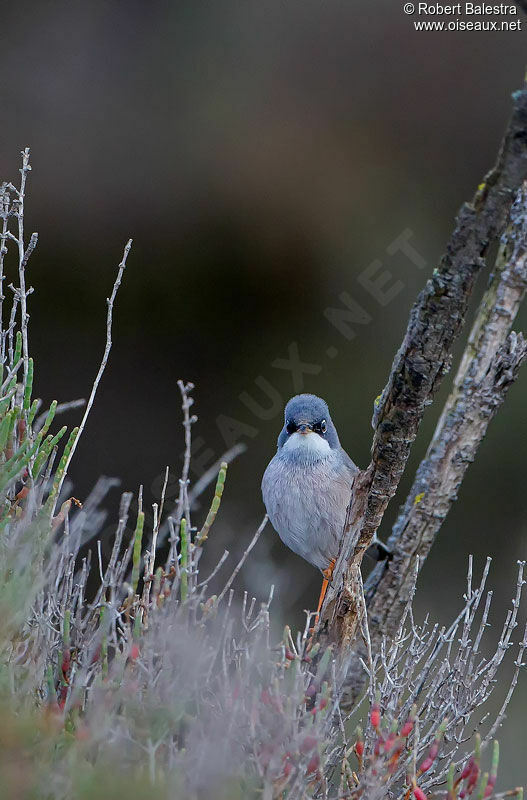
(383, 551)
(328, 572)
(378, 551)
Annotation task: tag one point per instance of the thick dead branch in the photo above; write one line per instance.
(420, 364)
(489, 366)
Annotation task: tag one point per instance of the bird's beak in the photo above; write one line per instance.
(304, 428)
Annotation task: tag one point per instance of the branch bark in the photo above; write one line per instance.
(418, 368)
(489, 366)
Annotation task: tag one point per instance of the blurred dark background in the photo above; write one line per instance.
(261, 155)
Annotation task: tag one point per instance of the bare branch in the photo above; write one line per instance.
(242, 560)
(104, 361)
(183, 504)
(489, 366)
(24, 257)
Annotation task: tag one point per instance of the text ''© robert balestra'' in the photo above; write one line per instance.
(476, 9)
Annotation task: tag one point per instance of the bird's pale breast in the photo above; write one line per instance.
(306, 503)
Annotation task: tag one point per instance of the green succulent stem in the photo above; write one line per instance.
(18, 348)
(136, 557)
(32, 412)
(6, 428)
(450, 782)
(45, 451)
(49, 417)
(63, 461)
(480, 793)
(215, 505)
(29, 385)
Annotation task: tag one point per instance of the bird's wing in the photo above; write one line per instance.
(348, 463)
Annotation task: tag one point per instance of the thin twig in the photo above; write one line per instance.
(242, 560)
(109, 318)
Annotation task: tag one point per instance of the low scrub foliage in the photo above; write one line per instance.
(125, 675)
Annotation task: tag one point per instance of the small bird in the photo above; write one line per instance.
(307, 485)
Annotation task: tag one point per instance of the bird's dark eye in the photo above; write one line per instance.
(320, 427)
(290, 427)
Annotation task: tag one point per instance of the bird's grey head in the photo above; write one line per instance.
(308, 428)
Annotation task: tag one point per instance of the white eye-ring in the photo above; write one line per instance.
(323, 426)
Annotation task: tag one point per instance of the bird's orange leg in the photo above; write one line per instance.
(328, 574)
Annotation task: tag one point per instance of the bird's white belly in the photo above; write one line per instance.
(307, 504)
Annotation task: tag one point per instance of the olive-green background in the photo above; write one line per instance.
(261, 155)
